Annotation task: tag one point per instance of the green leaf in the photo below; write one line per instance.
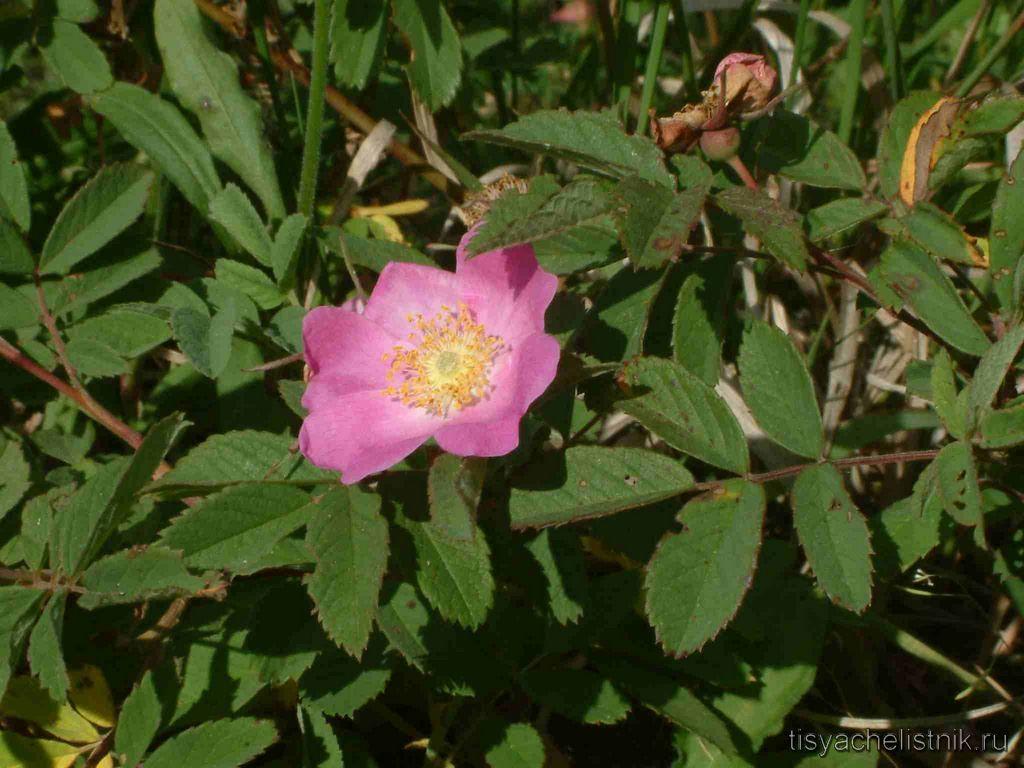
(593, 140)
(833, 218)
(901, 122)
(435, 69)
(560, 556)
(453, 574)
(126, 331)
(26, 700)
(669, 699)
(1003, 428)
(232, 209)
(778, 228)
(906, 531)
(913, 276)
(76, 59)
(588, 481)
(958, 483)
(577, 249)
(654, 222)
(699, 319)
(799, 149)
(94, 358)
(99, 211)
(779, 390)
(16, 309)
(251, 281)
(994, 116)
(782, 628)
(358, 40)
(130, 576)
(338, 685)
(101, 282)
(156, 127)
(15, 258)
(991, 371)
(206, 342)
(45, 652)
(349, 540)
(218, 744)
(584, 200)
(511, 745)
(936, 232)
(205, 80)
(685, 412)
(139, 721)
(79, 11)
(616, 325)
(319, 744)
(14, 202)
(237, 525)
(239, 457)
(697, 579)
(578, 694)
(834, 536)
(105, 500)
(17, 614)
(371, 253)
(453, 487)
(284, 253)
(15, 475)
(948, 404)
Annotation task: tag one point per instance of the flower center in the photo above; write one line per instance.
(447, 363)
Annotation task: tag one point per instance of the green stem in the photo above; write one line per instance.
(854, 54)
(978, 72)
(315, 109)
(683, 30)
(799, 40)
(653, 64)
(892, 51)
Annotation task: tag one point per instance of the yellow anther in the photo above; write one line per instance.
(447, 364)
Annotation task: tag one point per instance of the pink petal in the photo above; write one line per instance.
(506, 289)
(347, 348)
(493, 438)
(363, 433)
(409, 289)
(491, 427)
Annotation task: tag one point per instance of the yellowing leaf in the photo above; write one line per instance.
(389, 227)
(91, 695)
(919, 155)
(26, 700)
(401, 208)
(17, 751)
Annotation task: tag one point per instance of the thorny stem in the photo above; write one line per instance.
(876, 460)
(81, 398)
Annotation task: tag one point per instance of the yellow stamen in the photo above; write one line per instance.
(449, 364)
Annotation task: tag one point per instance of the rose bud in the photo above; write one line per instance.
(722, 144)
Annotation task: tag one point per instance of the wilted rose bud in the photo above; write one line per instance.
(722, 144)
(749, 82)
(679, 132)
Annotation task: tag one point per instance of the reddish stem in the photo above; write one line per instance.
(741, 170)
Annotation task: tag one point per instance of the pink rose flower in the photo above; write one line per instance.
(457, 356)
